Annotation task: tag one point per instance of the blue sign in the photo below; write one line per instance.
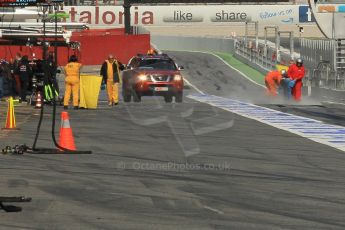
(341, 8)
(305, 14)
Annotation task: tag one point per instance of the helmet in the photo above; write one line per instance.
(151, 51)
(73, 58)
(299, 62)
(283, 72)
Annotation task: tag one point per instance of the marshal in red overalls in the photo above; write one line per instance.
(296, 72)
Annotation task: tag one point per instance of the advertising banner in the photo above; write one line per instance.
(112, 16)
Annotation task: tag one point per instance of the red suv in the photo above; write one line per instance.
(152, 75)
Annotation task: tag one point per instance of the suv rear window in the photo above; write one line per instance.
(157, 64)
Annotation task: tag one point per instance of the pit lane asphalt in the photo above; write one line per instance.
(176, 166)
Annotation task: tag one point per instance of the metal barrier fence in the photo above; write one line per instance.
(323, 58)
(314, 52)
(261, 56)
(328, 79)
(265, 56)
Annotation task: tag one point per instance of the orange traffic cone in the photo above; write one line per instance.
(66, 136)
(11, 119)
(38, 100)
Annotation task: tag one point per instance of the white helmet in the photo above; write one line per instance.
(299, 62)
(283, 72)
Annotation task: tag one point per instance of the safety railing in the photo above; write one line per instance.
(324, 59)
(139, 30)
(264, 56)
(328, 79)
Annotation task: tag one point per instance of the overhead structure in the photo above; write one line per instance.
(14, 14)
(42, 34)
(39, 26)
(34, 36)
(330, 17)
(16, 34)
(128, 3)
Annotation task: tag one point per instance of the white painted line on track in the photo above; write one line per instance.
(327, 134)
(214, 210)
(333, 102)
(238, 71)
(194, 87)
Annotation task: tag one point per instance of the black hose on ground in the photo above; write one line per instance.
(21, 149)
(59, 149)
(38, 126)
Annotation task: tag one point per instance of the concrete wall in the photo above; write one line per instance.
(225, 45)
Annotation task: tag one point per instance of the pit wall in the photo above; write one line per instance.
(96, 45)
(207, 44)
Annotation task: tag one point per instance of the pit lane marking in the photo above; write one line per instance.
(333, 102)
(327, 134)
(193, 86)
(214, 210)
